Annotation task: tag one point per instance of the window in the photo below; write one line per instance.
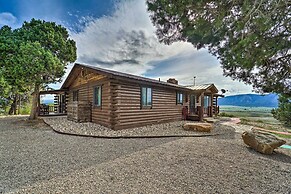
(97, 96)
(75, 95)
(146, 96)
(179, 98)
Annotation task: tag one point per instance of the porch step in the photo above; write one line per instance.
(193, 117)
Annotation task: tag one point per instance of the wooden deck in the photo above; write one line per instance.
(50, 110)
(53, 115)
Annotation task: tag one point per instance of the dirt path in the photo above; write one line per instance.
(239, 128)
(272, 131)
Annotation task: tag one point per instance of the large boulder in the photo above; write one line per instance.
(201, 127)
(264, 143)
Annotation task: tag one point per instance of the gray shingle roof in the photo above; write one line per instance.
(203, 87)
(117, 75)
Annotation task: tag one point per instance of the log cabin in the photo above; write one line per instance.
(120, 100)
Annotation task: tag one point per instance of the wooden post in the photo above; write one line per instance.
(216, 106)
(211, 106)
(200, 113)
(202, 104)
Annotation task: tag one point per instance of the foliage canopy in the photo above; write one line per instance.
(33, 56)
(283, 112)
(250, 38)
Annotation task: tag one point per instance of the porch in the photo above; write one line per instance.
(203, 102)
(57, 108)
(201, 113)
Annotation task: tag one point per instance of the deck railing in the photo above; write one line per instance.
(45, 109)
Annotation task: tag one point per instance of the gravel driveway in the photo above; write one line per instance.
(32, 152)
(36, 160)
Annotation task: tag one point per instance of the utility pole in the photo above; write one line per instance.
(194, 80)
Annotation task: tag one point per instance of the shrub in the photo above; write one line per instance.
(283, 112)
(224, 114)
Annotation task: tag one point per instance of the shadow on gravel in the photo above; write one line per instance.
(278, 155)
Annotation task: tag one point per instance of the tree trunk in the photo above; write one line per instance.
(19, 105)
(34, 105)
(12, 109)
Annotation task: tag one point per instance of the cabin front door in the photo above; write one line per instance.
(192, 108)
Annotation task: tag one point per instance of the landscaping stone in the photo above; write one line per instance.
(264, 143)
(201, 127)
(175, 128)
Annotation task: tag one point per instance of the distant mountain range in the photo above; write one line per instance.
(250, 100)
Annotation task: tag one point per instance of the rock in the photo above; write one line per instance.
(264, 143)
(201, 127)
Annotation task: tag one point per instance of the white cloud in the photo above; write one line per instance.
(7, 18)
(203, 66)
(125, 41)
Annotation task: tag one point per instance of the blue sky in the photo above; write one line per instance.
(119, 35)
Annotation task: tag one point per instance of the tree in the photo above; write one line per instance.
(283, 112)
(11, 85)
(36, 55)
(4, 92)
(250, 38)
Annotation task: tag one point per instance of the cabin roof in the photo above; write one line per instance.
(203, 87)
(119, 75)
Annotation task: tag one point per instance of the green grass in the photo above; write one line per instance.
(240, 111)
(25, 110)
(257, 117)
(267, 123)
(283, 136)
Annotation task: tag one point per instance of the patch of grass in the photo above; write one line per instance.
(256, 116)
(25, 110)
(266, 124)
(283, 136)
(238, 111)
(224, 114)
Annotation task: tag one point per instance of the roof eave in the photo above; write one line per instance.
(66, 84)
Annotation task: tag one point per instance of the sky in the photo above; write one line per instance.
(119, 35)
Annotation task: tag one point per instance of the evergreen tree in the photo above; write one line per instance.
(35, 55)
(250, 38)
(283, 112)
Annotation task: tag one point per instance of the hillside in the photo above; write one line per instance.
(250, 100)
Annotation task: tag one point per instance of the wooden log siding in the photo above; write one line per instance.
(100, 115)
(131, 114)
(121, 103)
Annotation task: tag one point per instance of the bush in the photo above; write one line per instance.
(283, 112)
(25, 110)
(223, 114)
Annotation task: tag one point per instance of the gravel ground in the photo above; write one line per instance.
(61, 124)
(32, 152)
(40, 161)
